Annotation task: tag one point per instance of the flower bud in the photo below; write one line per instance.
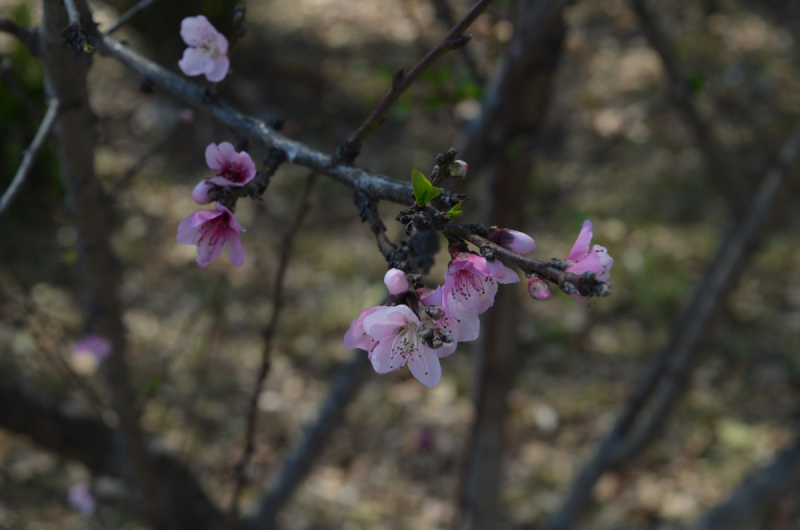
(200, 192)
(459, 169)
(513, 240)
(396, 281)
(538, 288)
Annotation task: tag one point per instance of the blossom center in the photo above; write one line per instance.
(466, 282)
(233, 172)
(210, 47)
(215, 230)
(405, 345)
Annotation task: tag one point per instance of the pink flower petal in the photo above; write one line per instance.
(356, 337)
(195, 31)
(200, 192)
(581, 247)
(424, 364)
(217, 69)
(195, 62)
(385, 321)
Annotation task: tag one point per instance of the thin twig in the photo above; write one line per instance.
(30, 155)
(300, 462)
(128, 15)
(137, 166)
(752, 502)
(454, 39)
(445, 13)
(28, 37)
(658, 391)
(376, 186)
(724, 174)
(268, 333)
(584, 284)
(368, 212)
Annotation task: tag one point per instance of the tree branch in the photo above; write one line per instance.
(66, 81)
(650, 403)
(128, 15)
(749, 505)
(723, 174)
(269, 331)
(348, 151)
(376, 186)
(28, 37)
(299, 463)
(30, 155)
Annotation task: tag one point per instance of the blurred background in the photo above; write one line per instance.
(612, 147)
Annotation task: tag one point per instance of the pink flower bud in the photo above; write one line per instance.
(514, 241)
(396, 281)
(200, 192)
(538, 288)
(459, 169)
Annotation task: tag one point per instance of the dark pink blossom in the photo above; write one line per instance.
(234, 169)
(207, 53)
(396, 332)
(212, 231)
(472, 281)
(584, 259)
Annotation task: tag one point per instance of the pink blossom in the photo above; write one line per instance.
(396, 330)
(583, 259)
(396, 281)
(472, 281)
(463, 325)
(356, 337)
(514, 241)
(207, 52)
(200, 192)
(235, 169)
(212, 231)
(79, 497)
(538, 288)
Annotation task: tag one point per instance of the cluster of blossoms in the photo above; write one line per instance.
(419, 325)
(213, 230)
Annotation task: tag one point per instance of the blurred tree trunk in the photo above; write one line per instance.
(524, 88)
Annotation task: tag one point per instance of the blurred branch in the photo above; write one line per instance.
(30, 155)
(374, 185)
(28, 37)
(349, 150)
(484, 136)
(527, 85)
(445, 13)
(137, 166)
(298, 465)
(13, 86)
(650, 403)
(66, 81)
(723, 173)
(749, 505)
(269, 331)
(128, 15)
(103, 450)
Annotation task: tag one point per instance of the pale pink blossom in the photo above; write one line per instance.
(513, 241)
(396, 281)
(472, 281)
(584, 259)
(212, 231)
(538, 288)
(356, 337)
(396, 331)
(234, 169)
(79, 498)
(207, 53)
(200, 192)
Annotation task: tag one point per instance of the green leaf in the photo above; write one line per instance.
(423, 189)
(455, 211)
